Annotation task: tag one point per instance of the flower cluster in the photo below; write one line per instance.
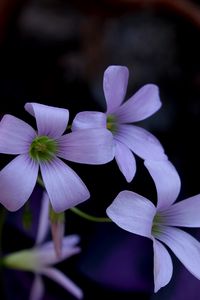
(96, 138)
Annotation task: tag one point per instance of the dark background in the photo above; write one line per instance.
(55, 52)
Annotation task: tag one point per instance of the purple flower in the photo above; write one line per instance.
(41, 257)
(128, 138)
(41, 149)
(138, 215)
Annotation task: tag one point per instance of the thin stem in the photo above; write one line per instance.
(88, 217)
(78, 211)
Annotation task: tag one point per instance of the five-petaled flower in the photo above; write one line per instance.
(138, 215)
(128, 138)
(42, 256)
(42, 149)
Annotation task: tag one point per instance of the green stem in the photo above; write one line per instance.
(78, 211)
(89, 217)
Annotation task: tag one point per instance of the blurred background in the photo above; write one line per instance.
(55, 52)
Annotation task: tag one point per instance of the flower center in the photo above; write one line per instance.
(43, 148)
(111, 123)
(157, 221)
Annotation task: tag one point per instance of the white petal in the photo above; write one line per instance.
(64, 281)
(51, 121)
(163, 267)
(17, 181)
(133, 213)
(184, 246)
(167, 182)
(125, 160)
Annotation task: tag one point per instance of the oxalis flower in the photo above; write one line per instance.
(42, 256)
(42, 148)
(128, 138)
(138, 215)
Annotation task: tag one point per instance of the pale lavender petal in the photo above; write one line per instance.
(133, 213)
(37, 289)
(51, 121)
(140, 106)
(68, 241)
(63, 185)
(163, 267)
(167, 182)
(89, 119)
(115, 83)
(184, 246)
(17, 181)
(88, 146)
(64, 281)
(46, 252)
(141, 142)
(125, 160)
(184, 213)
(57, 232)
(43, 224)
(15, 135)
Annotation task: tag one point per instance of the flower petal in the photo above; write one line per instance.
(167, 182)
(51, 121)
(184, 246)
(184, 213)
(37, 289)
(89, 119)
(125, 160)
(43, 224)
(89, 146)
(17, 181)
(63, 185)
(57, 232)
(15, 135)
(133, 213)
(141, 142)
(140, 106)
(46, 253)
(163, 267)
(115, 83)
(64, 281)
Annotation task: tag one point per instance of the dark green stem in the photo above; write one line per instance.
(88, 217)
(78, 211)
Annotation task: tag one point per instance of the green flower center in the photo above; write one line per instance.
(157, 221)
(43, 148)
(26, 260)
(111, 123)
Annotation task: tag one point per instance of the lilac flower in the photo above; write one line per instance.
(128, 138)
(41, 257)
(138, 215)
(42, 149)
